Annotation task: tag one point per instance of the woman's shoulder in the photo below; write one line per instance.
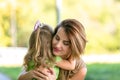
(80, 63)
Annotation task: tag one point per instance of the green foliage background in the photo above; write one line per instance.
(100, 17)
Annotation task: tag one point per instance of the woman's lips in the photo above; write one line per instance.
(56, 49)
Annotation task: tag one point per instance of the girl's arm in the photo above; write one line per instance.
(67, 64)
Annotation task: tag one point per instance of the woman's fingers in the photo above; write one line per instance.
(39, 78)
(51, 70)
(53, 75)
(41, 74)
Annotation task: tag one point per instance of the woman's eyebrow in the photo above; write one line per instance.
(57, 35)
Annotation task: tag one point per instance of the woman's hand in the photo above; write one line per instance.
(27, 75)
(40, 73)
(45, 73)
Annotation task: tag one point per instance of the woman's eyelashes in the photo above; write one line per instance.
(66, 43)
(57, 38)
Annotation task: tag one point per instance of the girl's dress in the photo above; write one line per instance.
(56, 69)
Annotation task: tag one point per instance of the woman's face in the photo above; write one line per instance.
(61, 44)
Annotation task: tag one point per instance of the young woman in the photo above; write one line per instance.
(69, 41)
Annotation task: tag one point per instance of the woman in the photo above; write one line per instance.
(69, 40)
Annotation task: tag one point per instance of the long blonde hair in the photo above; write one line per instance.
(39, 50)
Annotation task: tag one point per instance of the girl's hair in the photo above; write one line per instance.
(76, 34)
(39, 51)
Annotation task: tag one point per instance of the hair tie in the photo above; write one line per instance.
(38, 24)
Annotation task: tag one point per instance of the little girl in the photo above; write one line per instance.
(39, 51)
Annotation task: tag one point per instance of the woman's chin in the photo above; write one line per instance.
(55, 53)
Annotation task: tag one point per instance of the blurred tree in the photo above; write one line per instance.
(100, 17)
(21, 16)
(12, 8)
(58, 10)
(5, 39)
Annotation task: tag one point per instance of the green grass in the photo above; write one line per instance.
(99, 71)
(11, 72)
(96, 71)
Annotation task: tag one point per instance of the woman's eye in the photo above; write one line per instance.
(57, 38)
(67, 43)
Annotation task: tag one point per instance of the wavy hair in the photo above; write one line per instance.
(39, 50)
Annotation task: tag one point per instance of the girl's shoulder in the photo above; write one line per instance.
(58, 58)
(31, 65)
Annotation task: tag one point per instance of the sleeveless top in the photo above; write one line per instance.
(67, 74)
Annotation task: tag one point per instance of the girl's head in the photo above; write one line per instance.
(40, 45)
(69, 39)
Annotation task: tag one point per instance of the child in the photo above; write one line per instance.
(39, 51)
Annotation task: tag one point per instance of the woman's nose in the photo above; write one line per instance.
(58, 44)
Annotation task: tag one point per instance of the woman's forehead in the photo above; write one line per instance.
(62, 34)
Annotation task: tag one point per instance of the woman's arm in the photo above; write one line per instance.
(39, 74)
(26, 75)
(80, 75)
